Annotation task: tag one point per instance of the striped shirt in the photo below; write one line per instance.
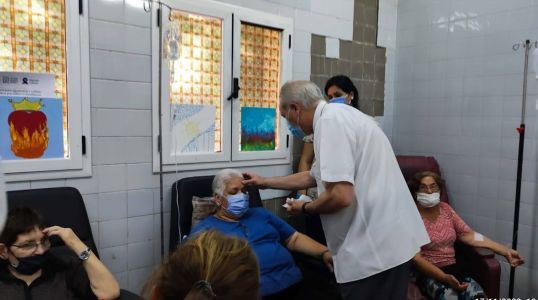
(443, 233)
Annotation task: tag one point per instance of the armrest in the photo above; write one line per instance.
(479, 251)
(320, 282)
(126, 295)
(309, 262)
(482, 266)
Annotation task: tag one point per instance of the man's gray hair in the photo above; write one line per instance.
(302, 92)
(219, 182)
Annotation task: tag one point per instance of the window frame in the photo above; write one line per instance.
(78, 108)
(167, 143)
(265, 20)
(230, 136)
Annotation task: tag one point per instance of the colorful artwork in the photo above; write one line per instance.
(193, 128)
(31, 117)
(258, 128)
(31, 128)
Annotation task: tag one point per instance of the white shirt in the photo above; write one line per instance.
(382, 228)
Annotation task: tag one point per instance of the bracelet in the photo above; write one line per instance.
(303, 208)
(323, 253)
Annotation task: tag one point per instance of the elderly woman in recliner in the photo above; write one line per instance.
(28, 270)
(441, 277)
(269, 236)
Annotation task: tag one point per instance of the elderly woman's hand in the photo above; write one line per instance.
(513, 258)
(327, 258)
(67, 235)
(454, 283)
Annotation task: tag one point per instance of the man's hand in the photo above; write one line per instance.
(252, 179)
(454, 283)
(295, 207)
(67, 235)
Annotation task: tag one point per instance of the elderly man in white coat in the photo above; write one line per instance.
(369, 218)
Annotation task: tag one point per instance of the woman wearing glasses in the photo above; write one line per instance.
(440, 276)
(29, 271)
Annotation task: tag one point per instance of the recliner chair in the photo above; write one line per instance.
(484, 268)
(320, 281)
(181, 211)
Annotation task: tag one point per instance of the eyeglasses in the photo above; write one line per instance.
(32, 246)
(433, 188)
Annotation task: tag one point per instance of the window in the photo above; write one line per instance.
(41, 106)
(220, 46)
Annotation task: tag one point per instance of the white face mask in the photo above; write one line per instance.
(428, 200)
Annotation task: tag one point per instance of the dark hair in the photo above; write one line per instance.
(414, 182)
(20, 220)
(346, 85)
(208, 266)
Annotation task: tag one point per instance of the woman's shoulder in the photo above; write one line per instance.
(447, 209)
(445, 206)
(258, 211)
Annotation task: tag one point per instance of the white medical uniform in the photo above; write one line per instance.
(382, 228)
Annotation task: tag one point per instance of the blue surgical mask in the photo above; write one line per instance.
(296, 131)
(341, 99)
(237, 204)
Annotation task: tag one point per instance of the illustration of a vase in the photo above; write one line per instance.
(28, 129)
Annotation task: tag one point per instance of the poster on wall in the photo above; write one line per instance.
(193, 128)
(31, 120)
(258, 128)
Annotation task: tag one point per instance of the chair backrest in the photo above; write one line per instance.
(181, 205)
(410, 165)
(62, 206)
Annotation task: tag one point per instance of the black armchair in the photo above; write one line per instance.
(64, 207)
(181, 211)
(321, 283)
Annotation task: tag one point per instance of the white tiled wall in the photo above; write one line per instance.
(386, 37)
(457, 96)
(122, 196)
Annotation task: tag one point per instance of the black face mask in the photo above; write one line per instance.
(29, 265)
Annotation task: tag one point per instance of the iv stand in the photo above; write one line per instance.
(521, 131)
(148, 6)
(161, 186)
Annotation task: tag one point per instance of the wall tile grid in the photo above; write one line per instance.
(457, 96)
(360, 58)
(386, 37)
(122, 196)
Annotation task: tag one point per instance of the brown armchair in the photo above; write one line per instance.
(484, 268)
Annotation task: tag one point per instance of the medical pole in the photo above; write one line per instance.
(521, 131)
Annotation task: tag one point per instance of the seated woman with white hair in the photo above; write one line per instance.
(269, 236)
